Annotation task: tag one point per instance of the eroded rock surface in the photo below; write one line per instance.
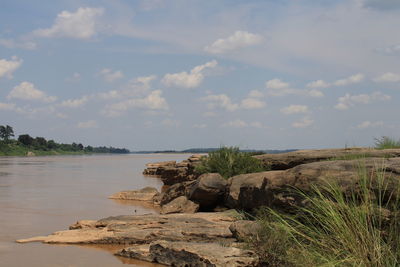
(289, 160)
(171, 172)
(208, 190)
(180, 205)
(145, 194)
(183, 254)
(144, 229)
(275, 189)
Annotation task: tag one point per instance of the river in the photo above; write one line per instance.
(40, 195)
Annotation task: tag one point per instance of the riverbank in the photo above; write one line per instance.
(204, 234)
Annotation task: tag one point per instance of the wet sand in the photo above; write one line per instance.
(40, 195)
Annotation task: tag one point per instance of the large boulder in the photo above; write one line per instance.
(180, 205)
(171, 172)
(175, 191)
(208, 190)
(277, 189)
(185, 254)
(289, 160)
(145, 194)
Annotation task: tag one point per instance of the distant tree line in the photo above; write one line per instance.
(40, 143)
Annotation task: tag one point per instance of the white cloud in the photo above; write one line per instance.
(188, 80)
(200, 126)
(294, 109)
(75, 103)
(255, 94)
(81, 24)
(356, 78)
(7, 67)
(220, 101)
(109, 75)
(252, 103)
(11, 43)
(388, 77)
(76, 77)
(369, 124)
(276, 84)
(303, 123)
(154, 101)
(239, 39)
(27, 91)
(87, 124)
(256, 124)
(318, 84)
(348, 100)
(314, 93)
(7, 106)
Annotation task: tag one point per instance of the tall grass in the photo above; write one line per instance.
(386, 142)
(229, 161)
(336, 229)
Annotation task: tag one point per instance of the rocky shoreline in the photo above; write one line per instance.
(199, 225)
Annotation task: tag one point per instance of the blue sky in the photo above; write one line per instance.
(175, 74)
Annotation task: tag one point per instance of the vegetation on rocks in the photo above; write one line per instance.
(334, 229)
(386, 142)
(229, 161)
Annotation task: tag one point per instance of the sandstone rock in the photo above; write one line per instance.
(180, 205)
(171, 172)
(82, 224)
(145, 194)
(208, 190)
(288, 160)
(30, 154)
(176, 190)
(144, 229)
(276, 188)
(181, 254)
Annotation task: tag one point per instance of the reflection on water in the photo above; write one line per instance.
(40, 195)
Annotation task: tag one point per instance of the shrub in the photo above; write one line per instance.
(229, 161)
(360, 229)
(386, 142)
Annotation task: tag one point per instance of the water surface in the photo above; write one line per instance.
(40, 195)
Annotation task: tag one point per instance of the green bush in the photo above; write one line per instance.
(386, 142)
(360, 229)
(229, 161)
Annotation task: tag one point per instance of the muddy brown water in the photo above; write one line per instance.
(40, 195)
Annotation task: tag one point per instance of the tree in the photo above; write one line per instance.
(25, 139)
(6, 132)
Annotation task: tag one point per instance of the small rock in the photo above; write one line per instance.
(244, 229)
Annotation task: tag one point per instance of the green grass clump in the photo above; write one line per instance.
(386, 142)
(335, 229)
(229, 161)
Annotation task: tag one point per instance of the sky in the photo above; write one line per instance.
(178, 74)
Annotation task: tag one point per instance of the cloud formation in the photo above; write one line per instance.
(369, 124)
(348, 100)
(238, 40)
(303, 123)
(356, 78)
(188, 80)
(7, 67)
(388, 77)
(109, 75)
(11, 43)
(154, 101)
(27, 91)
(87, 124)
(81, 24)
(75, 103)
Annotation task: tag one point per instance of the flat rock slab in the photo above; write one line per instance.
(144, 229)
(191, 254)
(291, 159)
(145, 194)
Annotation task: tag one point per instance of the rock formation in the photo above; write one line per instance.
(171, 172)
